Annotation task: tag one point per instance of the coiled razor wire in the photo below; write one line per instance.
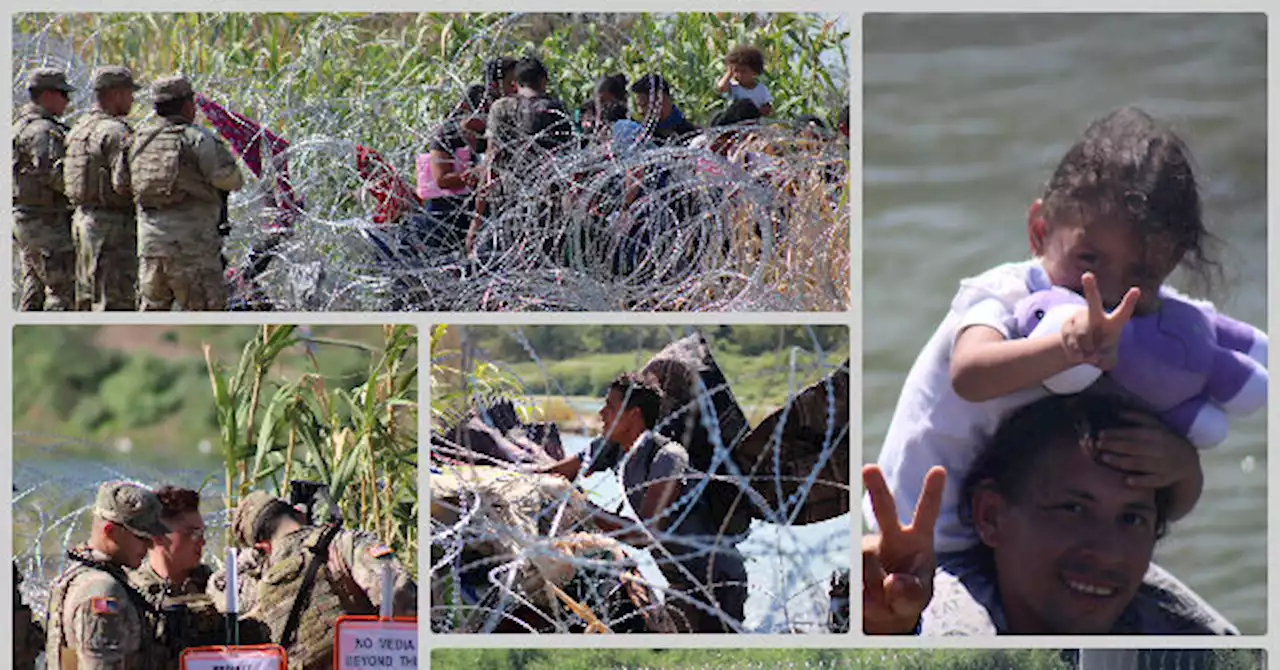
(763, 226)
(792, 597)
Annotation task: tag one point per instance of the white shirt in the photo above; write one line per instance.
(932, 425)
(758, 95)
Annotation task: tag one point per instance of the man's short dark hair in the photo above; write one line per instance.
(639, 392)
(1005, 465)
(530, 72)
(647, 84)
(269, 520)
(172, 107)
(175, 502)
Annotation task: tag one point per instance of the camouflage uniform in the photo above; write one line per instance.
(41, 213)
(104, 227)
(176, 172)
(249, 566)
(193, 619)
(95, 620)
(360, 555)
(155, 587)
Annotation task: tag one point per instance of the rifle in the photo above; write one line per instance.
(313, 496)
(224, 222)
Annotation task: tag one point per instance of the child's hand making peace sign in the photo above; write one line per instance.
(1091, 335)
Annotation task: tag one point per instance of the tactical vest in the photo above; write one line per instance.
(312, 648)
(30, 187)
(189, 618)
(86, 171)
(155, 160)
(58, 656)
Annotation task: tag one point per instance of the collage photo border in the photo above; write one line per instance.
(855, 13)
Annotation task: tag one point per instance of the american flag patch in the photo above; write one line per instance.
(379, 550)
(105, 606)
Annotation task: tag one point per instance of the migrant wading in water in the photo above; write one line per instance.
(661, 430)
(364, 239)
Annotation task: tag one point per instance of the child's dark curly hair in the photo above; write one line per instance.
(747, 56)
(1129, 167)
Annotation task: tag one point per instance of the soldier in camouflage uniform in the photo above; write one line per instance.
(96, 618)
(348, 580)
(174, 579)
(41, 213)
(104, 227)
(177, 173)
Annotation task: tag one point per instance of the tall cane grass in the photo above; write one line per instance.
(360, 441)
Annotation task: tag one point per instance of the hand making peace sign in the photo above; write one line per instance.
(1091, 335)
(898, 564)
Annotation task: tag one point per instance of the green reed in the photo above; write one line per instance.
(360, 440)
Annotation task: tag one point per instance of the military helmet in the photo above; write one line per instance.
(131, 506)
(245, 519)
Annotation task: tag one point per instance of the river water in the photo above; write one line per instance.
(788, 567)
(965, 118)
(52, 501)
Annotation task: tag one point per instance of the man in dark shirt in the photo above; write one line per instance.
(666, 122)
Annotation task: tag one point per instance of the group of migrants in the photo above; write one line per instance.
(494, 154)
(137, 593)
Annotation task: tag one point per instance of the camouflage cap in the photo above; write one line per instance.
(113, 76)
(131, 506)
(176, 87)
(48, 78)
(245, 518)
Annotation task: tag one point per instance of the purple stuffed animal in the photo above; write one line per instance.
(1191, 364)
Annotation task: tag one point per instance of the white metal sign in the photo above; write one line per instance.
(366, 643)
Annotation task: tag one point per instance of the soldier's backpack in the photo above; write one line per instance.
(298, 604)
(154, 161)
(83, 173)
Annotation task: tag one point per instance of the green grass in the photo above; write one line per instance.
(813, 659)
(360, 440)
(673, 659)
(761, 379)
